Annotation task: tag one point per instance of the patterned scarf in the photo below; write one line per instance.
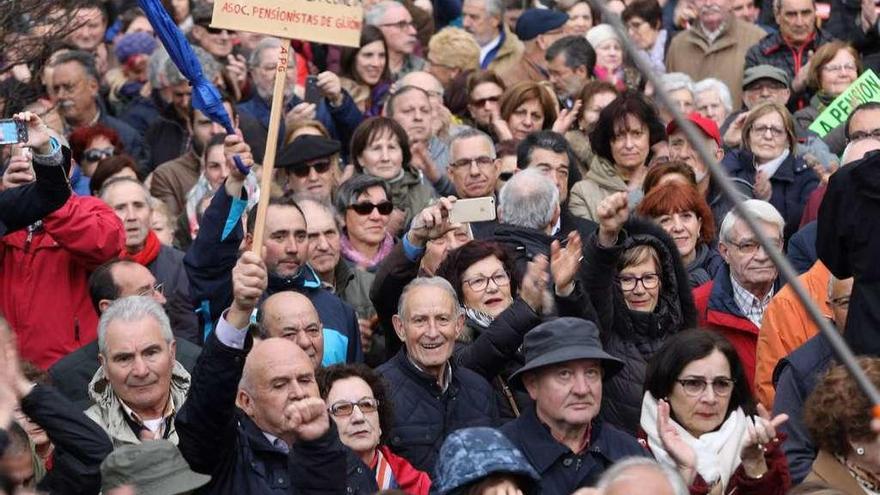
(382, 469)
(362, 262)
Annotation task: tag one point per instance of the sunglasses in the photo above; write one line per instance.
(481, 102)
(304, 170)
(385, 208)
(213, 30)
(97, 154)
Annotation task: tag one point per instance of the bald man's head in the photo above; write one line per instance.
(276, 373)
(292, 316)
(856, 150)
(641, 476)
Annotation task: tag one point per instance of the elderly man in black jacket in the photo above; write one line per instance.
(254, 419)
(562, 436)
(432, 397)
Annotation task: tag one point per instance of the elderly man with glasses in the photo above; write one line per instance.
(734, 302)
(399, 30)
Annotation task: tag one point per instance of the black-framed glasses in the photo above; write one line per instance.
(479, 102)
(303, 171)
(859, 135)
(629, 282)
(481, 161)
(158, 288)
(694, 387)
(479, 284)
(365, 208)
(345, 408)
(97, 154)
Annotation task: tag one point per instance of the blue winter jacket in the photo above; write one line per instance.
(209, 264)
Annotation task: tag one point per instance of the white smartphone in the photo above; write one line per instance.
(473, 210)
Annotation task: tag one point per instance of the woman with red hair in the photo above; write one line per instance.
(88, 146)
(684, 214)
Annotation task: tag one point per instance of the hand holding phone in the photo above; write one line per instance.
(313, 92)
(473, 210)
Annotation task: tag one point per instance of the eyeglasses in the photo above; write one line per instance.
(158, 288)
(629, 282)
(694, 387)
(399, 24)
(859, 135)
(66, 87)
(751, 247)
(213, 30)
(481, 162)
(303, 171)
(840, 67)
(97, 154)
(384, 208)
(479, 284)
(345, 408)
(762, 130)
(481, 102)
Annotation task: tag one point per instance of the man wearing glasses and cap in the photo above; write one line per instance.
(561, 435)
(311, 164)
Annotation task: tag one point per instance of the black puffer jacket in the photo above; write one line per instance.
(424, 415)
(635, 336)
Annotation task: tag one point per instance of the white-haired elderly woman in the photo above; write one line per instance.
(713, 100)
(609, 55)
(680, 88)
(733, 303)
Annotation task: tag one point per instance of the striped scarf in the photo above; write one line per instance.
(384, 476)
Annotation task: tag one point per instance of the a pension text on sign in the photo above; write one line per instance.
(864, 89)
(336, 22)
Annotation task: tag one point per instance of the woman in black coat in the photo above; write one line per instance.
(640, 291)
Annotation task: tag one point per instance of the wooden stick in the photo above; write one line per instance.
(271, 146)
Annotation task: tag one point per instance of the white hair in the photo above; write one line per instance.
(712, 84)
(760, 210)
(374, 14)
(417, 282)
(529, 199)
(620, 469)
(131, 309)
(674, 81)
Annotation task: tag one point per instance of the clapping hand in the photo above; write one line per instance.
(533, 289)
(565, 261)
(683, 454)
(761, 431)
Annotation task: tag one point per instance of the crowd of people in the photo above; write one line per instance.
(612, 326)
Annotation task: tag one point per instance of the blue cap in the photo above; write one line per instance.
(533, 22)
(471, 454)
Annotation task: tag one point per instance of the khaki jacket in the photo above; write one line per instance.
(601, 181)
(691, 53)
(509, 54)
(826, 469)
(530, 67)
(108, 413)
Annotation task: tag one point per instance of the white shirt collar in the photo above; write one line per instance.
(484, 50)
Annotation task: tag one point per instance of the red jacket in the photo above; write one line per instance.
(44, 278)
(411, 480)
(717, 310)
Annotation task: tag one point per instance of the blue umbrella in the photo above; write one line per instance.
(205, 96)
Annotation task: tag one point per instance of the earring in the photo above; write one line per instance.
(860, 450)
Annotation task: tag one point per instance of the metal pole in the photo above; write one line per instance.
(719, 176)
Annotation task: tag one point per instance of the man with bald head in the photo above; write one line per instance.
(254, 420)
(290, 315)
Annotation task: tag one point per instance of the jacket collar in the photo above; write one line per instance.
(342, 276)
(255, 437)
(721, 298)
(305, 279)
(426, 380)
(543, 450)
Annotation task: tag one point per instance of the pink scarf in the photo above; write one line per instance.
(362, 262)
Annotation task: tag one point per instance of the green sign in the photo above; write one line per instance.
(864, 89)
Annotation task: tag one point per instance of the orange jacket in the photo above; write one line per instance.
(786, 325)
